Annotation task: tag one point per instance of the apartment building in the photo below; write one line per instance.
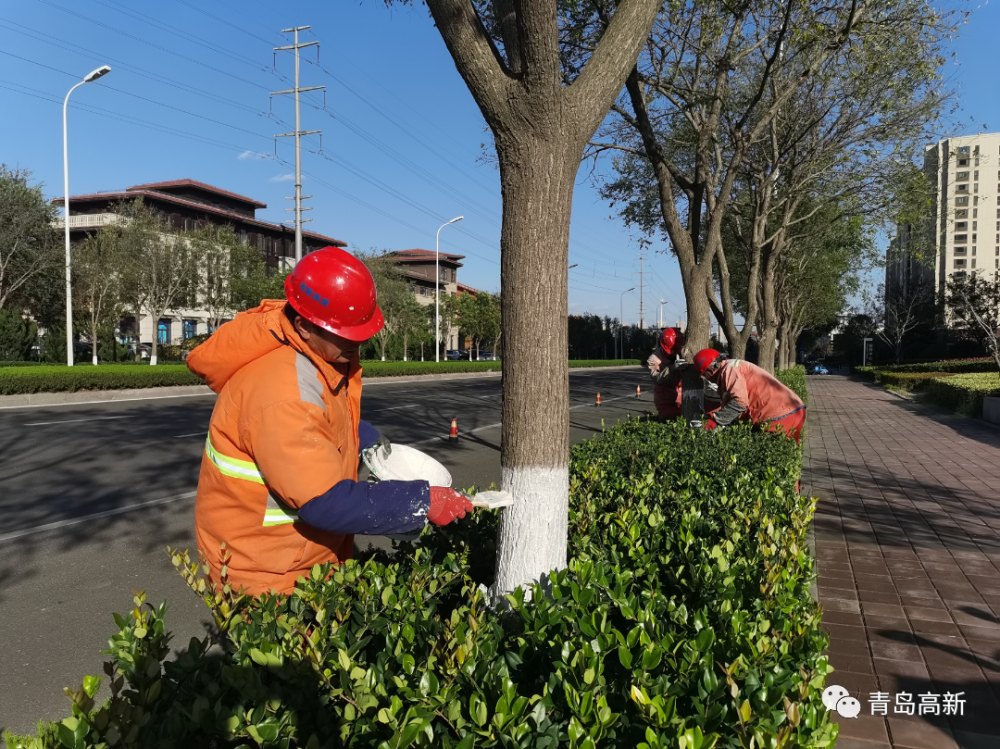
(961, 233)
(417, 267)
(187, 205)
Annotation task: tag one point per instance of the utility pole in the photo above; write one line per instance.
(299, 132)
(659, 316)
(641, 286)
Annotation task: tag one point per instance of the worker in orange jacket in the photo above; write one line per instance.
(748, 392)
(665, 369)
(278, 482)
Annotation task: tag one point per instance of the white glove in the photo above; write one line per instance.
(654, 363)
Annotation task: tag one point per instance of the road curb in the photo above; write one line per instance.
(84, 397)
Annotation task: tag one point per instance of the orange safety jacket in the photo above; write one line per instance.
(284, 431)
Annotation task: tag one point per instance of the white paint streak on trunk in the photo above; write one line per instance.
(532, 540)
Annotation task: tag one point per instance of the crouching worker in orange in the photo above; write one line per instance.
(278, 479)
(748, 392)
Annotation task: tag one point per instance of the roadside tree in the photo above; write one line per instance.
(974, 300)
(29, 242)
(542, 108)
(100, 268)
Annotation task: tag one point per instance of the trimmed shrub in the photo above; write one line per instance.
(795, 380)
(53, 378)
(956, 366)
(908, 381)
(683, 619)
(963, 393)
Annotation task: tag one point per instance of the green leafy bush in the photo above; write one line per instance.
(54, 378)
(963, 393)
(909, 381)
(683, 620)
(961, 366)
(794, 379)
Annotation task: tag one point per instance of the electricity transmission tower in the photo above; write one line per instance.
(642, 285)
(299, 132)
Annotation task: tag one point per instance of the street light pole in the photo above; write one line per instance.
(621, 320)
(92, 76)
(437, 288)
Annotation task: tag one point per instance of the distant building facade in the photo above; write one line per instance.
(961, 233)
(188, 205)
(417, 267)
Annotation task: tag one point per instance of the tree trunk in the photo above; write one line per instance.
(382, 341)
(405, 338)
(156, 339)
(421, 351)
(477, 348)
(537, 185)
(769, 320)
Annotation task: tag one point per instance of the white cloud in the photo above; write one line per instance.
(253, 155)
(283, 178)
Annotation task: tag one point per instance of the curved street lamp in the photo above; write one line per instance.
(89, 78)
(437, 289)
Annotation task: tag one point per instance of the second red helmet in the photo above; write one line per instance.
(334, 290)
(672, 340)
(704, 360)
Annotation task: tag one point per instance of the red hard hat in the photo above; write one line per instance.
(704, 359)
(672, 340)
(334, 290)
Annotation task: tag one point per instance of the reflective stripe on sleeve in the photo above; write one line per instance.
(278, 513)
(237, 469)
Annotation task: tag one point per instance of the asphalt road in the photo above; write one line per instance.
(91, 495)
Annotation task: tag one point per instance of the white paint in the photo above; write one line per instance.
(105, 402)
(533, 531)
(84, 518)
(405, 463)
(73, 421)
(152, 360)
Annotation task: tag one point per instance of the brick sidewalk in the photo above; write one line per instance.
(908, 546)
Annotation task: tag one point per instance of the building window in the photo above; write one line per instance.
(961, 237)
(975, 187)
(964, 213)
(963, 150)
(961, 175)
(963, 162)
(973, 249)
(163, 331)
(973, 263)
(975, 211)
(960, 250)
(960, 225)
(190, 329)
(975, 176)
(961, 188)
(962, 201)
(959, 262)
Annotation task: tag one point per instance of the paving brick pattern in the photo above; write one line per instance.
(908, 547)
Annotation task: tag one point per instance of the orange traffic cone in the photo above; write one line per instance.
(638, 391)
(453, 434)
(598, 402)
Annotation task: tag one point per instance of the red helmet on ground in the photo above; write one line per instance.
(672, 340)
(704, 360)
(334, 290)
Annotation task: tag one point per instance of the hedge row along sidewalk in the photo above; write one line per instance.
(683, 620)
(958, 386)
(18, 380)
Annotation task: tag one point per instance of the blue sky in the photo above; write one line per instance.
(401, 145)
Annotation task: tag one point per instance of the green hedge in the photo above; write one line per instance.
(56, 378)
(18, 378)
(795, 379)
(683, 620)
(908, 381)
(963, 393)
(961, 366)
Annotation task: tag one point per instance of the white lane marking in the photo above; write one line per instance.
(83, 519)
(493, 426)
(193, 434)
(105, 402)
(73, 421)
(391, 408)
